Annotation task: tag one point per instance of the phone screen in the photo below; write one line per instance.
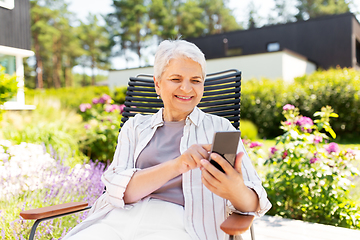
(225, 144)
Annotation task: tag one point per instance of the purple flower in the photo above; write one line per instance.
(255, 144)
(273, 150)
(317, 139)
(95, 101)
(288, 107)
(105, 99)
(305, 123)
(87, 126)
(314, 160)
(332, 148)
(84, 106)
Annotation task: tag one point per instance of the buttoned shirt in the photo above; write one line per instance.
(204, 210)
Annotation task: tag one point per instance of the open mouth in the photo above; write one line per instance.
(184, 97)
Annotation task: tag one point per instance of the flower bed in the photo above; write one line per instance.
(31, 178)
(306, 177)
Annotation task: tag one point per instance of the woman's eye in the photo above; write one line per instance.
(175, 79)
(196, 81)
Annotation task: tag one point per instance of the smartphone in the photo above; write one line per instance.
(225, 144)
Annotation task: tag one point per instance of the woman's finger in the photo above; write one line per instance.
(226, 166)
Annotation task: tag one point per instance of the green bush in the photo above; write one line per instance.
(307, 180)
(58, 129)
(102, 119)
(8, 87)
(248, 130)
(261, 103)
(340, 88)
(69, 97)
(119, 95)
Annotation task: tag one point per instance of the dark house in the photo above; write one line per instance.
(326, 41)
(15, 44)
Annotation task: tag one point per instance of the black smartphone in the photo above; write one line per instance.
(225, 144)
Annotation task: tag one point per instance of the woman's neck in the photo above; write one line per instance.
(173, 116)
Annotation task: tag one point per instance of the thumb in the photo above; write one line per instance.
(238, 161)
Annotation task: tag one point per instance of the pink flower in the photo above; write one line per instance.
(305, 123)
(314, 160)
(273, 150)
(95, 101)
(332, 148)
(84, 106)
(255, 144)
(114, 107)
(284, 154)
(288, 107)
(87, 126)
(287, 123)
(105, 99)
(350, 151)
(317, 139)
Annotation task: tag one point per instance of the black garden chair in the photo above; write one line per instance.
(221, 97)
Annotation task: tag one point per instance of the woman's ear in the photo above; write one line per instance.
(157, 86)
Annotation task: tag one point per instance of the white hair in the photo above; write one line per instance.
(171, 49)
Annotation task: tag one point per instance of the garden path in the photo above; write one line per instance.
(277, 228)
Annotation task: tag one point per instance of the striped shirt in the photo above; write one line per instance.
(204, 210)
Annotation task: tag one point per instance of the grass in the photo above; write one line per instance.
(58, 128)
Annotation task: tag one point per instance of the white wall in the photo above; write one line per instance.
(284, 65)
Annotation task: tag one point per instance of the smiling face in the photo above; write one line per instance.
(181, 88)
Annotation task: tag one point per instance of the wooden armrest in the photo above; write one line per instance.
(51, 211)
(237, 224)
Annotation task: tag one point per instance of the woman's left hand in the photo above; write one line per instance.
(229, 185)
(223, 184)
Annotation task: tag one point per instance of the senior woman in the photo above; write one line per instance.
(160, 185)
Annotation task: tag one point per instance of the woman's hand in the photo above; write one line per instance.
(229, 185)
(191, 158)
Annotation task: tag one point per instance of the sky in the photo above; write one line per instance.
(240, 10)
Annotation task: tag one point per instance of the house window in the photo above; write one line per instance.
(8, 62)
(234, 51)
(357, 52)
(9, 4)
(273, 47)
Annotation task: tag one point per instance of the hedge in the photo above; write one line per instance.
(262, 100)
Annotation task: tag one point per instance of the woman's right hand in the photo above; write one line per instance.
(190, 159)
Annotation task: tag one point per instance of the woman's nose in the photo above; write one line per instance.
(186, 86)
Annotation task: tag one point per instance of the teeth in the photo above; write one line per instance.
(183, 97)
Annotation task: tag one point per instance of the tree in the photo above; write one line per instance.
(253, 17)
(134, 22)
(95, 42)
(283, 11)
(190, 19)
(130, 22)
(164, 15)
(52, 36)
(316, 8)
(40, 30)
(218, 17)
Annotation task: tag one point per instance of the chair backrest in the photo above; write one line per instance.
(222, 94)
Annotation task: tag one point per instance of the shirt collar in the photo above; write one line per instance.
(195, 117)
